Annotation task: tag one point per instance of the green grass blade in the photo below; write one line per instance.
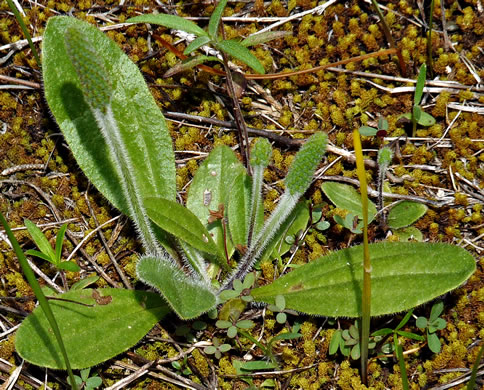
(422, 75)
(475, 368)
(25, 31)
(59, 241)
(214, 21)
(44, 304)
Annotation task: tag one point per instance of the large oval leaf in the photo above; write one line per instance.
(346, 197)
(116, 322)
(140, 121)
(211, 187)
(404, 275)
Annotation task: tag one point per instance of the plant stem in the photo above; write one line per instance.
(243, 135)
(429, 39)
(389, 37)
(401, 362)
(475, 368)
(44, 303)
(366, 296)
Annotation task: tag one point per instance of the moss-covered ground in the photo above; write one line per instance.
(444, 161)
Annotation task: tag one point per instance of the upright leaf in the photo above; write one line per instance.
(238, 209)
(211, 187)
(214, 21)
(404, 275)
(40, 240)
(143, 128)
(117, 320)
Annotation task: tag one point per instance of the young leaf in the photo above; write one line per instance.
(422, 75)
(91, 334)
(211, 187)
(83, 283)
(59, 241)
(196, 43)
(140, 121)
(236, 50)
(238, 209)
(189, 63)
(368, 131)
(424, 119)
(214, 21)
(169, 21)
(331, 285)
(188, 297)
(40, 255)
(256, 39)
(346, 197)
(41, 241)
(181, 222)
(405, 213)
(68, 266)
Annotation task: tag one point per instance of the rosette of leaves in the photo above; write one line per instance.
(120, 140)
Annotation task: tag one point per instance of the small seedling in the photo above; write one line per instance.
(240, 289)
(233, 326)
(216, 349)
(432, 325)
(381, 131)
(395, 346)
(182, 368)
(210, 37)
(348, 342)
(87, 382)
(46, 252)
(278, 307)
(418, 116)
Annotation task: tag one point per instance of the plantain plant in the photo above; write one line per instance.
(120, 140)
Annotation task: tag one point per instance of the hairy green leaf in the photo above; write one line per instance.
(181, 222)
(117, 321)
(405, 213)
(424, 119)
(169, 21)
(238, 209)
(211, 187)
(188, 297)
(236, 50)
(143, 128)
(346, 197)
(404, 275)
